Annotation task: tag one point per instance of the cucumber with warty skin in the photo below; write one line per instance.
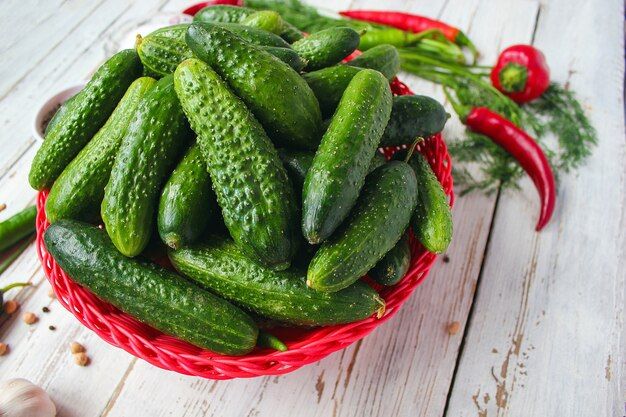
(328, 85)
(288, 56)
(17, 227)
(413, 116)
(258, 203)
(390, 193)
(79, 190)
(149, 293)
(84, 116)
(276, 94)
(394, 265)
(327, 47)
(432, 220)
(383, 58)
(154, 142)
(221, 267)
(234, 14)
(266, 20)
(342, 160)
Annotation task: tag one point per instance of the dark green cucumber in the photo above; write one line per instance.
(432, 220)
(413, 117)
(149, 293)
(188, 204)
(297, 164)
(374, 226)
(267, 20)
(327, 47)
(288, 56)
(340, 165)
(79, 190)
(151, 147)
(17, 227)
(221, 267)
(233, 14)
(162, 50)
(394, 265)
(252, 187)
(383, 58)
(279, 98)
(84, 116)
(328, 85)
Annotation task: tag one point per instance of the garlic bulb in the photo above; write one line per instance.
(22, 398)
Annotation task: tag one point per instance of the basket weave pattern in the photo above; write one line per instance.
(305, 345)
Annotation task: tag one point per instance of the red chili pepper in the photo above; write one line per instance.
(192, 10)
(412, 23)
(521, 73)
(524, 149)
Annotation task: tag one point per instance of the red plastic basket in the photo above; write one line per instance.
(305, 345)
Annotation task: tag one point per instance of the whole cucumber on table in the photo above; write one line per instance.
(383, 58)
(84, 116)
(155, 140)
(257, 200)
(378, 220)
(276, 94)
(341, 163)
(327, 47)
(188, 204)
(413, 116)
(394, 265)
(432, 220)
(17, 227)
(79, 190)
(234, 14)
(151, 294)
(221, 267)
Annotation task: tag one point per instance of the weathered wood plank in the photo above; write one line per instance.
(544, 339)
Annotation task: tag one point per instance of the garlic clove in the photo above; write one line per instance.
(21, 398)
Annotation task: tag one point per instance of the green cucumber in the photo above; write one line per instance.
(327, 47)
(151, 147)
(432, 220)
(17, 227)
(383, 58)
(288, 56)
(162, 50)
(234, 14)
(266, 20)
(374, 226)
(394, 265)
(188, 204)
(79, 190)
(84, 116)
(278, 97)
(149, 293)
(340, 165)
(252, 187)
(221, 267)
(413, 116)
(328, 85)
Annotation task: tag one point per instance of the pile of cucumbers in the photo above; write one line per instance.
(252, 153)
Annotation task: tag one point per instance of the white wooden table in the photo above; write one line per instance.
(542, 315)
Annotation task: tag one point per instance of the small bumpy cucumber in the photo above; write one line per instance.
(151, 294)
(432, 220)
(162, 50)
(340, 164)
(233, 14)
(328, 85)
(188, 204)
(151, 147)
(84, 116)
(394, 265)
(327, 47)
(390, 193)
(383, 58)
(288, 56)
(252, 187)
(413, 116)
(17, 227)
(221, 267)
(78, 192)
(279, 98)
(267, 20)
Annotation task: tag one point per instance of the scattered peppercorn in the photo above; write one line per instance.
(81, 359)
(3, 348)
(11, 306)
(76, 347)
(29, 318)
(45, 309)
(454, 327)
(52, 328)
(446, 259)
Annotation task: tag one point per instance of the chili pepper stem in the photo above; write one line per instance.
(409, 154)
(14, 285)
(513, 78)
